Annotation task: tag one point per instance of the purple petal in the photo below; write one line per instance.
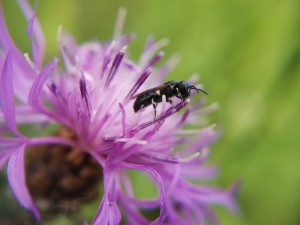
(164, 158)
(85, 95)
(5, 39)
(187, 113)
(97, 127)
(167, 67)
(102, 214)
(49, 140)
(7, 95)
(209, 215)
(149, 43)
(232, 192)
(170, 111)
(16, 179)
(144, 204)
(115, 66)
(7, 147)
(108, 212)
(114, 138)
(26, 114)
(132, 213)
(67, 57)
(202, 173)
(150, 49)
(114, 214)
(34, 31)
(33, 98)
(123, 119)
(3, 157)
(214, 196)
(158, 180)
(9, 143)
(205, 137)
(155, 59)
(23, 73)
(119, 23)
(107, 57)
(143, 77)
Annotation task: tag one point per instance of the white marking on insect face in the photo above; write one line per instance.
(157, 92)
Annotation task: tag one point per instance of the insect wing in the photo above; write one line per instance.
(151, 90)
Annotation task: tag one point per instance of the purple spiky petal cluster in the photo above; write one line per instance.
(93, 97)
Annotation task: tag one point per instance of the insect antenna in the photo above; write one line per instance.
(198, 89)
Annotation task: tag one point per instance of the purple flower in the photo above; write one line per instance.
(92, 98)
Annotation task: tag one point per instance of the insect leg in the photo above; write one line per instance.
(154, 107)
(179, 94)
(170, 101)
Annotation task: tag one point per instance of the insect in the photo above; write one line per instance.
(169, 89)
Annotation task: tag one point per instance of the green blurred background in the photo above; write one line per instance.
(248, 56)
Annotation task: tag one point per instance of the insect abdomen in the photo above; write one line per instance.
(146, 100)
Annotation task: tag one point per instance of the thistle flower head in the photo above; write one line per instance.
(91, 100)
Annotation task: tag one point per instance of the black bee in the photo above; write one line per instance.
(169, 89)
